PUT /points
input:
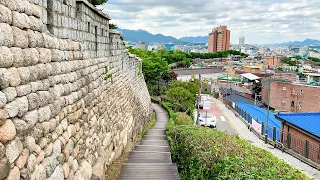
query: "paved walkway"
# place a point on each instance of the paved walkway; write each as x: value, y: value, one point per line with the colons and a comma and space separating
x: 252, y: 138
x: 152, y: 158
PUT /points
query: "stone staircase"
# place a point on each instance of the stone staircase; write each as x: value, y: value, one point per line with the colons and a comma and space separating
x: 152, y: 158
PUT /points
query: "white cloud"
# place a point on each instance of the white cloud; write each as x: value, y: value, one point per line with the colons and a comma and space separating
x: 261, y: 21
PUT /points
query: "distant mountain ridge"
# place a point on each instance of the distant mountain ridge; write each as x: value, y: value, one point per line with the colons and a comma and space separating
x: 306, y: 42
x: 145, y: 36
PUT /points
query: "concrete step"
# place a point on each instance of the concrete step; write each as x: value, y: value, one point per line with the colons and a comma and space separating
x: 156, y: 132
x: 149, y: 171
x: 149, y: 148
x: 151, y: 137
x: 155, y: 142
x: 149, y: 157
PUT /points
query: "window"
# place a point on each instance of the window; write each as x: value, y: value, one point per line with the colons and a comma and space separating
x: 284, y: 88
x: 301, y: 92
x: 64, y: 1
x: 96, y: 37
x: 300, y: 105
x: 102, y: 31
x: 89, y: 27
x: 292, y: 103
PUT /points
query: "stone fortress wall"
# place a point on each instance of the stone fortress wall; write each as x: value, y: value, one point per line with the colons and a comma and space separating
x: 71, y: 97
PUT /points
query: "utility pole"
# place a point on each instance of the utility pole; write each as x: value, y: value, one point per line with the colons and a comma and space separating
x: 255, y: 99
x: 198, y: 99
x: 267, y: 120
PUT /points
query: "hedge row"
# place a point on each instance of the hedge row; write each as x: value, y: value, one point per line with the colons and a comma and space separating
x: 168, y: 107
x: 203, y: 153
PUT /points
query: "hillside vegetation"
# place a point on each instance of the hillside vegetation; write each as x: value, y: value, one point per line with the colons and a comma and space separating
x: 203, y: 153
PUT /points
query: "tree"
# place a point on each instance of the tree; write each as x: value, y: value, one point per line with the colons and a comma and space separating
x: 97, y: 2
x: 113, y: 26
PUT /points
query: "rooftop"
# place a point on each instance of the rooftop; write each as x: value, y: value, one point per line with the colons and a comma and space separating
x: 309, y: 122
x: 250, y: 76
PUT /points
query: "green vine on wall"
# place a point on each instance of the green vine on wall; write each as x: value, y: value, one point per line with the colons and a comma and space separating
x: 107, y: 76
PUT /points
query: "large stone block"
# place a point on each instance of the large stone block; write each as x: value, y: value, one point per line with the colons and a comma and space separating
x: 6, y: 57
x: 6, y: 38
x: 5, y: 15
x: 57, y: 174
x: 4, y: 168
x: 17, y: 57
x: 48, y: 41
x: 13, y: 149
x: 31, y: 118
x: 34, y: 101
x: 50, y: 163
x: 22, y: 159
x: 39, y: 173
x: 3, y: 99
x: 36, y: 24
x: 24, y: 74
x: 44, y: 55
x: 36, y: 10
x: 5, y: 77
x: 31, y: 56
x: 20, y: 37
x: 15, y: 77
x: 7, y: 131
x: 22, y: 105
x: 11, y: 109
x: 23, y: 90
x: 10, y: 93
x: 35, y: 39
x: 44, y: 114
x: 20, y: 125
x: 21, y: 21
x: 14, y: 174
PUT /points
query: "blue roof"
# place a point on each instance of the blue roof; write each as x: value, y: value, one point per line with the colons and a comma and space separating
x: 309, y: 122
x: 260, y: 114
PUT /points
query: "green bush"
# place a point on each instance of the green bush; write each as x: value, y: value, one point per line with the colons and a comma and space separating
x: 168, y: 107
x: 203, y: 153
x: 183, y: 119
x: 155, y: 100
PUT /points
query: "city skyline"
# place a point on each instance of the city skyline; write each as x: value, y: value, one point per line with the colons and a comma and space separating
x: 261, y: 22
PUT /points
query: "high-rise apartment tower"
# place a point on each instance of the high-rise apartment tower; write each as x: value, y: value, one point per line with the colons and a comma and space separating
x: 219, y: 39
x: 242, y: 40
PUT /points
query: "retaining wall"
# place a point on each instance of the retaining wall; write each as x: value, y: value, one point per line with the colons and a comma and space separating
x: 71, y: 97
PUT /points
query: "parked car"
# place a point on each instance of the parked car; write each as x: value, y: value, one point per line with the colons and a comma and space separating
x: 207, y: 120
x: 203, y: 97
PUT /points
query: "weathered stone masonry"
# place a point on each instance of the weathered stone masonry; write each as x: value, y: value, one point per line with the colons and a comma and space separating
x: 71, y: 96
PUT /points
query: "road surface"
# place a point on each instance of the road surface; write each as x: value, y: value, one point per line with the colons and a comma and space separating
x: 223, y: 123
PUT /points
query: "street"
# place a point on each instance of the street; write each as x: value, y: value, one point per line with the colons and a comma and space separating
x: 222, y: 122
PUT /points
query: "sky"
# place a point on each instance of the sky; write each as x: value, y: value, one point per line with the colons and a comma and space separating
x: 260, y: 21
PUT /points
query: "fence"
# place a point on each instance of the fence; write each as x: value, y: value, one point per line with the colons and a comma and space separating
x: 282, y: 139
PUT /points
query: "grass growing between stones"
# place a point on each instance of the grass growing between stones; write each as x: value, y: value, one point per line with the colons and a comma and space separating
x: 114, y: 170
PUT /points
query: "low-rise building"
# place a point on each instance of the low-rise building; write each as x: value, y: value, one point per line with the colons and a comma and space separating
x: 272, y: 60
x: 301, y: 133
x: 293, y: 97
x: 252, y: 69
